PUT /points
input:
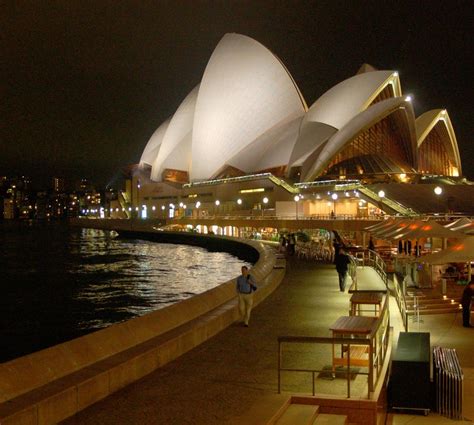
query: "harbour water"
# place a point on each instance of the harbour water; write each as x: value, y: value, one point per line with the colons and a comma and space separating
x: 58, y: 282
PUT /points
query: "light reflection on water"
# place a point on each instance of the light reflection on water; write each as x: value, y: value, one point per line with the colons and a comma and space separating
x: 141, y: 271
x: 59, y: 283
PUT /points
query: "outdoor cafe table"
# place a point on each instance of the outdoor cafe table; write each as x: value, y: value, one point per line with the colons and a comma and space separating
x: 357, y: 326
x: 366, y: 298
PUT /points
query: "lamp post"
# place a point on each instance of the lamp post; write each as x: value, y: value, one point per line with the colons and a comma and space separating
x: 138, y: 194
x: 438, y: 191
x: 198, y: 204
x: 265, y: 202
x: 334, y: 198
x: 217, y: 206
x: 163, y: 208
x: 296, y: 199
x: 381, y: 194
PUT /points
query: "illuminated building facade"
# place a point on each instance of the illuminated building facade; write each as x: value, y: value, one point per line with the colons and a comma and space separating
x: 247, y: 117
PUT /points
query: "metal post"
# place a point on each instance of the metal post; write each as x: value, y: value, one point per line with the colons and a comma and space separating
x: 279, y: 366
x: 349, y: 370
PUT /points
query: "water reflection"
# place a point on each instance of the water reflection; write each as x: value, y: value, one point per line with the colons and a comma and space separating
x: 59, y: 283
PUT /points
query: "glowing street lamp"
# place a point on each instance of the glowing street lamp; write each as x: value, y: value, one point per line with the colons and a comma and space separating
x: 265, y: 202
x: 198, y: 204
x: 381, y: 194
x: 438, y: 191
x: 334, y: 198
x: 239, y: 201
x: 217, y: 206
x: 296, y: 199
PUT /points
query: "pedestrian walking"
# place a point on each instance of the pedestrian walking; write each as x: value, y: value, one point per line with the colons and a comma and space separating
x: 371, y: 244
x: 342, y: 265
x: 291, y: 244
x: 245, y: 288
x: 466, y: 300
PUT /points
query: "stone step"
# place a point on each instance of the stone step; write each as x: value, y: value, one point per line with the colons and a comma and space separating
x: 440, y: 310
x: 436, y: 304
x: 329, y: 419
x: 299, y: 414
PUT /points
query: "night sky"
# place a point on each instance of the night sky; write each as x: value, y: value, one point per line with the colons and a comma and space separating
x: 85, y: 83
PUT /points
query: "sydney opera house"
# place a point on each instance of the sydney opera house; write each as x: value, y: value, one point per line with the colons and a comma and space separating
x: 246, y: 138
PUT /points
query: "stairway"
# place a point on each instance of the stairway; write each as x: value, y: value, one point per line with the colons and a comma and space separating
x: 305, y: 414
x: 432, y: 302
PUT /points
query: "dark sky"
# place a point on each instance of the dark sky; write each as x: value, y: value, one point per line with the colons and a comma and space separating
x: 85, y: 83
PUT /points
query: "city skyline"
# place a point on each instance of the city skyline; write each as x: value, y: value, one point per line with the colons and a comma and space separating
x: 85, y: 89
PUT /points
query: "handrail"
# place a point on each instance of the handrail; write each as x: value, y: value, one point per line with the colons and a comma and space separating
x: 374, y: 260
x: 378, y: 264
x: 327, y: 217
x: 401, y: 301
x: 377, y: 342
x: 353, y: 271
x: 320, y: 340
x: 392, y: 204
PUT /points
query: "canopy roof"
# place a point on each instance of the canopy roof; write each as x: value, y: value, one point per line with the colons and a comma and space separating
x: 459, y: 253
x: 423, y: 229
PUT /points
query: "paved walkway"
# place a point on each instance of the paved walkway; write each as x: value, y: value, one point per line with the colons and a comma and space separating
x: 220, y: 380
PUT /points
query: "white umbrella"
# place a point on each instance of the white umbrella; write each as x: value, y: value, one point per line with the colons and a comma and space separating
x: 379, y: 225
x: 458, y: 223
x: 462, y: 252
x: 426, y: 229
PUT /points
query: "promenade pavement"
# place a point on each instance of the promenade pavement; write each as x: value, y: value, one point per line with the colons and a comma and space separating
x: 226, y: 377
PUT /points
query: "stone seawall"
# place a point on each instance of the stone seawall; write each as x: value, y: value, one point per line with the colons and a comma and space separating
x: 53, y: 384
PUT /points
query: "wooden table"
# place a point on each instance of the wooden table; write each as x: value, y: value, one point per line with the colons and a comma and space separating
x: 360, y: 326
x: 366, y: 298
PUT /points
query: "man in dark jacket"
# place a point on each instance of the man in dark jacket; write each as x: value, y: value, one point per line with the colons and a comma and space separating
x: 466, y: 304
x: 342, y: 264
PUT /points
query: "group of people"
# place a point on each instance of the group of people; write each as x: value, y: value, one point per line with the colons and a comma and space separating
x: 288, y: 243
x: 405, y: 247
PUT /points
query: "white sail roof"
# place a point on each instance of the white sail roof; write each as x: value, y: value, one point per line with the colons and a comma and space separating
x: 179, y: 127
x: 245, y: 91
x: 153, y: 146
x: 345, y: 100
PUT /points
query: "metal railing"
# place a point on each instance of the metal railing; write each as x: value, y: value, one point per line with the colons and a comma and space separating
x: 259, y: 216
x: 448, y: 380
x: 377, y: 343
x: 401, y: 301
x: 393, y: 205
x: 372, y: 259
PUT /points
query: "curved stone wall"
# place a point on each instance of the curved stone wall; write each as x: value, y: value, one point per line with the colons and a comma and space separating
x: 54, y: 383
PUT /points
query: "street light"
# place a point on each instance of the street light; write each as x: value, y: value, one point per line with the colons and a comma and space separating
x: 138, y: 193
x: 438, y: 191
x: 381, y: 194
x: 239, y: 201
x: 265, y: 202
x: 217, y: 206
x: 296, y: 199
x: 334, y: 198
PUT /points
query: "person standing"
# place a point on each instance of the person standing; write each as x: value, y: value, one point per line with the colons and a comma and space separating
x: 245, y: 288
x: 466, y: 300
x: 291, y: 244
x: 342, y: 264
x: 371, y: 244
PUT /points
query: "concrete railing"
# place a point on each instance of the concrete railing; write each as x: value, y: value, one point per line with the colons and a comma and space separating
x: 52, y: 384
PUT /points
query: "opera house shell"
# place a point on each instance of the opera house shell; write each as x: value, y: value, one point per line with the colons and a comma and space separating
x: 247, y: 116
